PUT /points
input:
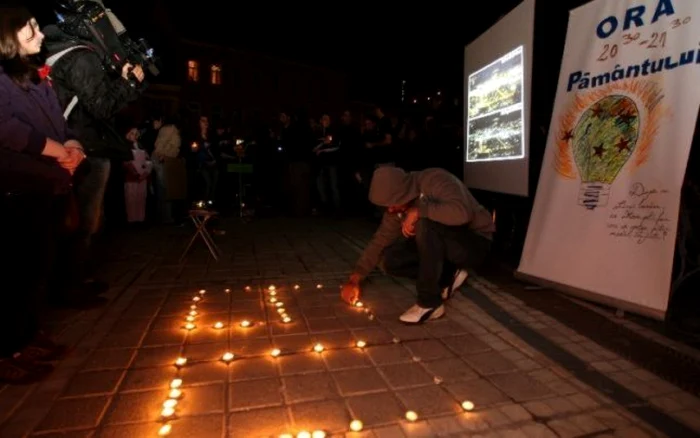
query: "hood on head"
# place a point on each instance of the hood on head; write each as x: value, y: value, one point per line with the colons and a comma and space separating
x: 392, y: 186
x: 55, y: 40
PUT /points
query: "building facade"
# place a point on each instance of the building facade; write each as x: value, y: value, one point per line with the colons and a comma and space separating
x: 236, y: 86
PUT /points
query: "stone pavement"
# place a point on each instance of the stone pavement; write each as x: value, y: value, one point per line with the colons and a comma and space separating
x: 523, y: 372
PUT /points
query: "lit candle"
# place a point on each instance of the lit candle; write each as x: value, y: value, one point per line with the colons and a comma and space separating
x: 275, y: 352
x: 190, y: 318
x: 286, y: 435
x: 273, y: 293
x: 219, y: 325
x: 356, y: 425
x: 411, y: 416
x: 190, y: 326
x: 286, y: 319
x: 180, y: 361
x: 296, y: 287
x: 281, y: 310
x: 247, y: 288
x: 176, y: 383
x: 174, y: 393
x: 227, y: 357
x: 202, y: 291
x: 193, y: 313
x: 467, y: 405
x: 273, y: 300
x: 170, y: 403
x: 227, y: 290
x: 271, y: 287
x: 279, y: 304
x: 318, y: 434
x: 193, y: 307
x: 359, y: 304
x: 196, y: 299
x: 303, y: 434
x: 284, y: 315
x: 361, y: 344
x: 318, y: 348
x: 319, y: 286
x: 167, y: 412
x: 165, y: 430
x: 245, y: 323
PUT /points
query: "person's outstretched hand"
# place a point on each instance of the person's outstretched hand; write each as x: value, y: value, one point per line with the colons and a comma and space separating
x: 350, y: 292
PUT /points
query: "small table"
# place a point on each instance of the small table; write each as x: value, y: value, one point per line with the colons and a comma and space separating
x: 200, y: 217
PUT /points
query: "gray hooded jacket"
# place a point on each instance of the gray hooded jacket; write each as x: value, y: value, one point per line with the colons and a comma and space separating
x: 439, y: 196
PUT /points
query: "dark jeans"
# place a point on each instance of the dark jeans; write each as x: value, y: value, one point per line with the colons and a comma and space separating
x: 327, y: 183
x: 299, y: 180
x: 76, y: 259
x: 26, y: 238
x: 433, y: 256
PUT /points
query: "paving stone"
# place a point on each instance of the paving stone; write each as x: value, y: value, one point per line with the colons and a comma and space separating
x: 255, y: 394
x: 147, y: 378
x: 445, y: 426
x: 202, y: 400
x: 565, y: 428
x: 94, y: 383
x: 450, y: 370
x: 406, y: 375
x: 309, y: 387
x: 343, y: 359
x: 479, y: 391
x: 386, y: 432
x: 429, y: 400
x: 389, y: 354
x: 328, y: 415
x: 131, y: 430
x: 515, y: 388
x: 301, y: 363
x: 254, y: 368
x: 520, y: 387
x: 490, y: 363
x: 428, y: 349
x: 515, y: 413
x: 376, y: 409
x: 74, y: 413
x: 537, y: 431
x: 358, y: 381
x: 135, y: 407
x: 419, y: 429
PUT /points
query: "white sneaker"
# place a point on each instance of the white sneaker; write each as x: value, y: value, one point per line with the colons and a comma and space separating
x: 419, y: 315
x: 460, y: 277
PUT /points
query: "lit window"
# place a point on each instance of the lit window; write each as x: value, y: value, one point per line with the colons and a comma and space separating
x: 193, y: 71
x: 216, y: 74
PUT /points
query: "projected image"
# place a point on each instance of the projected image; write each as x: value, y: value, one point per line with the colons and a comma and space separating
x: 495, y: 110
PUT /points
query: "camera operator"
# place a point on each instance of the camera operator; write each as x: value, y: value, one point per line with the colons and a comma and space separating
x: 91, y: 96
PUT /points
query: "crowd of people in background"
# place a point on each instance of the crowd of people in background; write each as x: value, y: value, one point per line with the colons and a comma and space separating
x: 292, y: 164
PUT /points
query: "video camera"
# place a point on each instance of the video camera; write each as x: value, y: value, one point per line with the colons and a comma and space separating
x: 89, y: 19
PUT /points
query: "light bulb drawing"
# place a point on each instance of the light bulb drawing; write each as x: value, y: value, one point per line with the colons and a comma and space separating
x: 602, y: 142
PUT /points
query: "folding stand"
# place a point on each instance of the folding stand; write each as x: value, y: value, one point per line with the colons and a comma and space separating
x: 200, y: 217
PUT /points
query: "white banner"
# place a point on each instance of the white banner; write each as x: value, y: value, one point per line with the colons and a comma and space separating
x: 605, y: 215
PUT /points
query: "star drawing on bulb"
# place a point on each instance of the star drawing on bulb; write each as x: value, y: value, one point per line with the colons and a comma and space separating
x: 599, y: 150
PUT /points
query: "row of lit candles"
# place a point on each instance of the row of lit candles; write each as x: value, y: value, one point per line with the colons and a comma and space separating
x: 279, y: 305
x: 175, y: 392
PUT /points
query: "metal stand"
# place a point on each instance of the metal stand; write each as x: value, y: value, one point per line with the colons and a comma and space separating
x: 200, y: 219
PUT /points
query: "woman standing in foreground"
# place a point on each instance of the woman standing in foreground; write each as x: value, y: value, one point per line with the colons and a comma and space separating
x: 37, y: 157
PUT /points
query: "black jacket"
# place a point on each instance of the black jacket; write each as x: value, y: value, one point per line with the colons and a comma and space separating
x: 101, y: 95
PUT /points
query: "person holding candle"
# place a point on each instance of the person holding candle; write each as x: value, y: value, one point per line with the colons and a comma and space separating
x: 433, y: 230
x: 38, y: 155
